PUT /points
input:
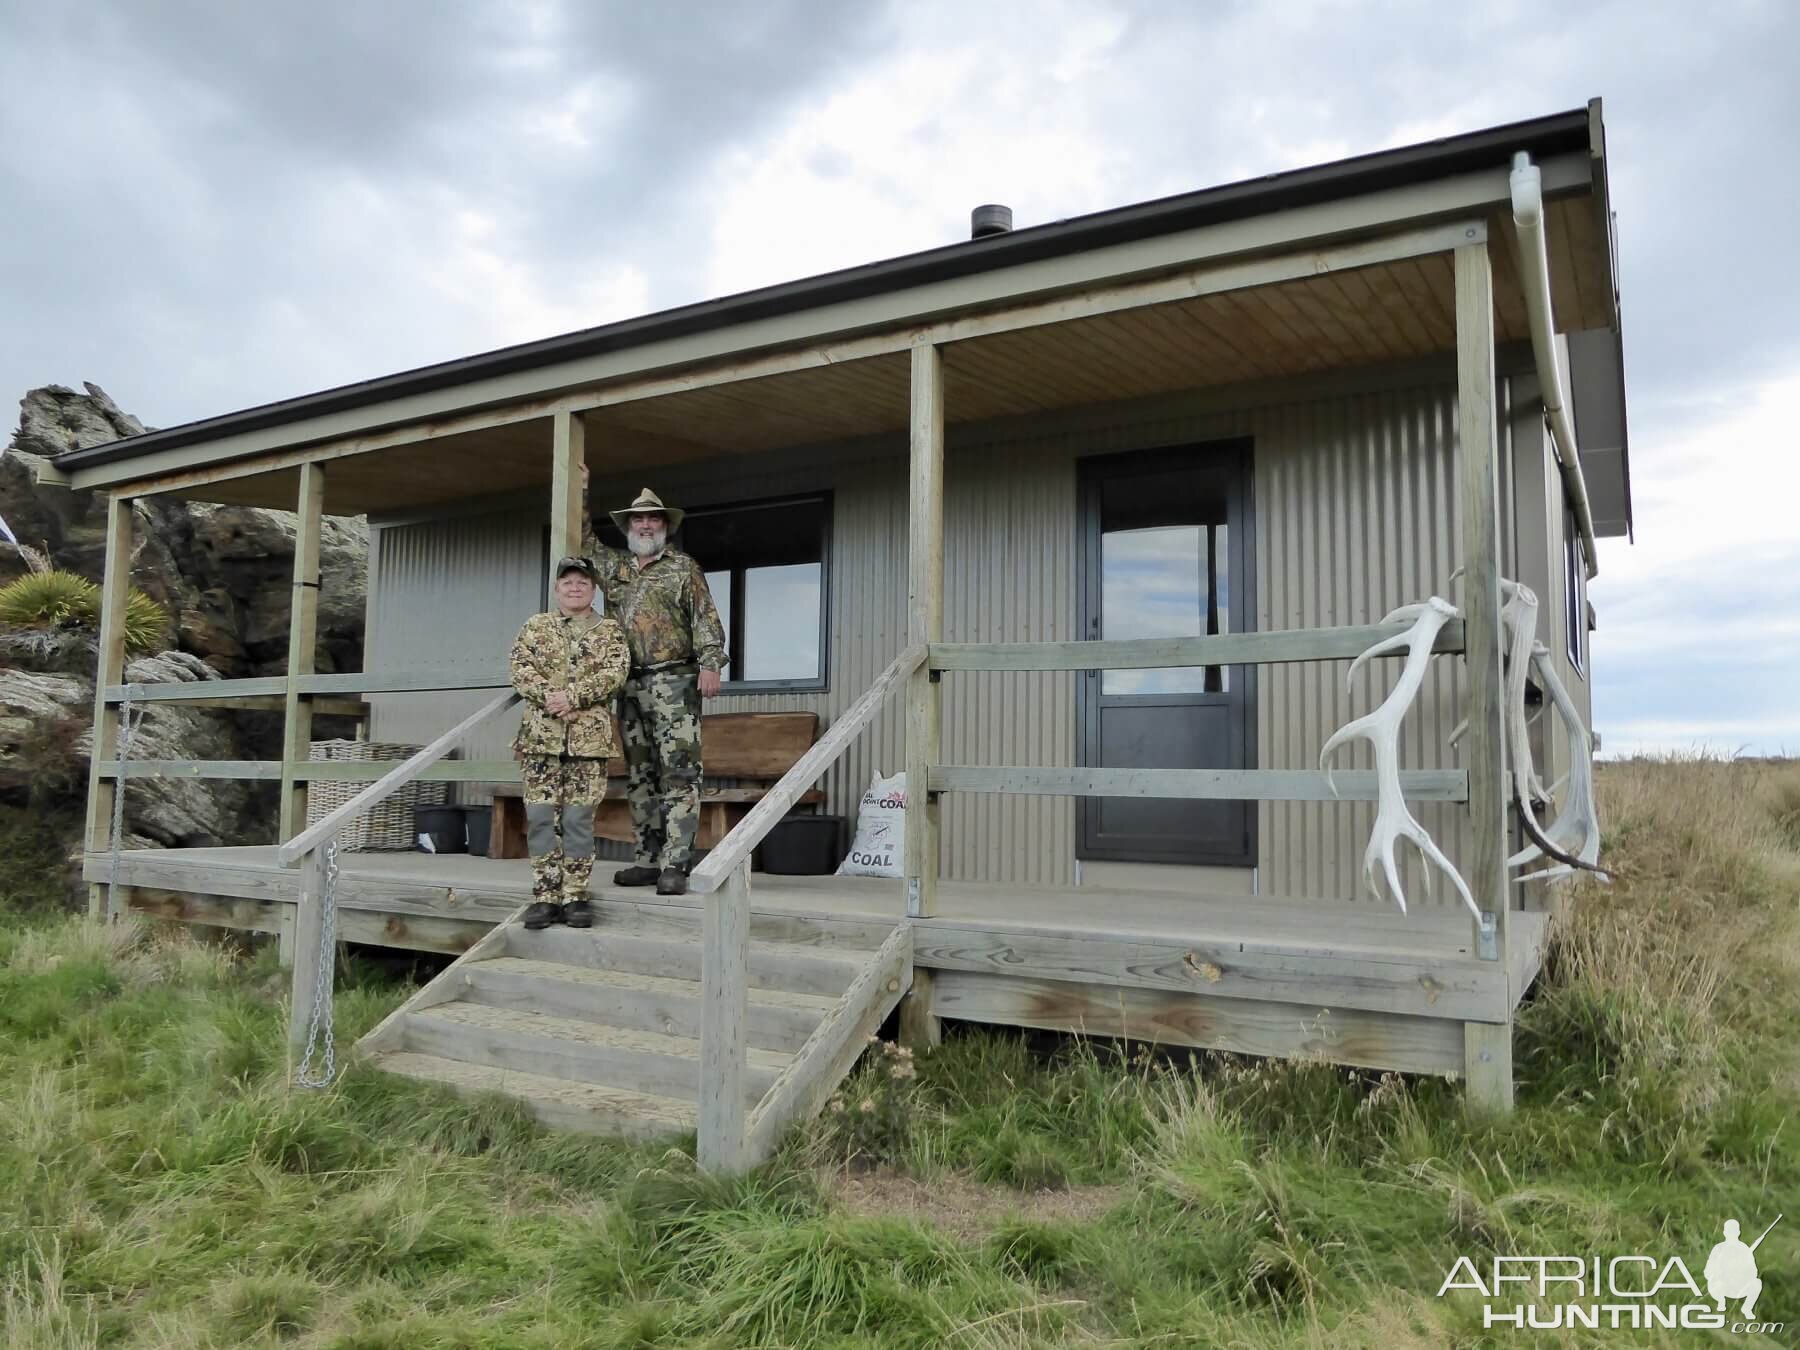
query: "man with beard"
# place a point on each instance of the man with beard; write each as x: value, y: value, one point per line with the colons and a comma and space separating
x: 659, y: 596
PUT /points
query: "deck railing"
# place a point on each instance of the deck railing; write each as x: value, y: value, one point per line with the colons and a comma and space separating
x: 1232, y: 649
x: 313, y: 966
x: 328, y: 695
x: 724, y: 877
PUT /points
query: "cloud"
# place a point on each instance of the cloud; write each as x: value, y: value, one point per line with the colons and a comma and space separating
x: 1699, y: 625
x: 212, y: 205
x: 209, y: 205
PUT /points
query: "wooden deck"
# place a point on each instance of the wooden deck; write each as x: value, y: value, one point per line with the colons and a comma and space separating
x: 1352, y: 983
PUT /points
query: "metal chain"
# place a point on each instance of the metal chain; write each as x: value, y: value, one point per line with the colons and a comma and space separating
x: 129, y: 717
x: 319, y: 1033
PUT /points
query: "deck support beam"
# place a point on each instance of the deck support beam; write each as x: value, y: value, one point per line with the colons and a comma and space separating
x: 568, y: 454
x: 919, y: 1026
x: 312, y: 968
x: 115, y: 587
x: 1488, y: 1047
x: 725, y: 995
x: 303, y: 634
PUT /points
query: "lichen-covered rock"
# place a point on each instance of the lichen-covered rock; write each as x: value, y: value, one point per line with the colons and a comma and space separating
x: 179, y: 812
x: 225, y: 573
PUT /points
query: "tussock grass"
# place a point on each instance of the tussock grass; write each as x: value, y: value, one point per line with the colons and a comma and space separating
x: 160, y: 1185
x: 57, y: 599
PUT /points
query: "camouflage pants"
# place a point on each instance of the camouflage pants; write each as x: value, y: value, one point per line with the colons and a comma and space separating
x: 560, y: 797
x: 659, y: 730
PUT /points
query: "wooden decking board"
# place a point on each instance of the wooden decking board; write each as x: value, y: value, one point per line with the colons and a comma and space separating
x: 454, y: 886
x: 1440, y: 987
x: 557, y: 1047
x: 816, y: 1004
x: 557, y: 1102
x: 772, y: 965
x: 1366, y: 1039
x: 776, y: 1020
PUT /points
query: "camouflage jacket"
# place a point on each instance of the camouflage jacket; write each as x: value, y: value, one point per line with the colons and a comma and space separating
x: 585, y: 655
x: 665, y: 607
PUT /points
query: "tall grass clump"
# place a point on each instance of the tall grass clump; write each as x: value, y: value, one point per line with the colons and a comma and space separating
x: 1664, y: 991
x: 161, y: 1184
x: 59, y: 599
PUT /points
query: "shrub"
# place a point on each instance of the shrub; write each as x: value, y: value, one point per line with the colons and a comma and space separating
x: 870, y: 1119
x: 48, y: 600
x: 56, y: 599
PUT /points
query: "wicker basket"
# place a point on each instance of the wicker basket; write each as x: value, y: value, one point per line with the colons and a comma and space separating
x: 390, y: 824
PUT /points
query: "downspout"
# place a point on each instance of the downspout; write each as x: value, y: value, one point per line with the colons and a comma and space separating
x: 1534, y: 278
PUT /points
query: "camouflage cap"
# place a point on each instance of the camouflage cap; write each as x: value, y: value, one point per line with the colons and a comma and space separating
x: 572, y: 563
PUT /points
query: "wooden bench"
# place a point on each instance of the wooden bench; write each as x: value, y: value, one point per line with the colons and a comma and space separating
x: 747, y: 751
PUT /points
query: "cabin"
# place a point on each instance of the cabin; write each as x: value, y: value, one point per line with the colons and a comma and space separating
x: 1080, y: 525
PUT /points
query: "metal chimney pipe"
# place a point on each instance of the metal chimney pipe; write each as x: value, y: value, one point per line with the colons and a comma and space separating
x: 988, y: 220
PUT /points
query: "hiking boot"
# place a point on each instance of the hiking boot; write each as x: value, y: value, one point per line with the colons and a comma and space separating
x: 543, y: 913
x: 635, y: 876
x: 578, y: 914
x: 673, y: 881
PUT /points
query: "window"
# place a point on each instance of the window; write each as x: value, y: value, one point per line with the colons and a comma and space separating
x: 1574, y: 595
x: 1164, y: 573
x: 765, y: 565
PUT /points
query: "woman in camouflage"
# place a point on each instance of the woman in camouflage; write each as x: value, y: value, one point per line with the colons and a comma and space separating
x: 568, y: 664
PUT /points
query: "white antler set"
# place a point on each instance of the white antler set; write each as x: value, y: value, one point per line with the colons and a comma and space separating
x: 1573, y: 837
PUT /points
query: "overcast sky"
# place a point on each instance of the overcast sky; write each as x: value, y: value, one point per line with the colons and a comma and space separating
x: 211, y: 205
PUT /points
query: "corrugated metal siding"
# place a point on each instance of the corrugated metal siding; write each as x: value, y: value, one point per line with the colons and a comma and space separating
x: 451, y: 594
x: 867, y: 588
x: 1356, y: 508
x: 1358, y: 513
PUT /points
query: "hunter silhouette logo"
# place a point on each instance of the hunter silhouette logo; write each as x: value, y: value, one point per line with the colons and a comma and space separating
x: 1731, y: 1270
x: 1634, y: 1291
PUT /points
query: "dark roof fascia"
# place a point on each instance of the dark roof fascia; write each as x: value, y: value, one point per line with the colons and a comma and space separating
x: 1382, y: 170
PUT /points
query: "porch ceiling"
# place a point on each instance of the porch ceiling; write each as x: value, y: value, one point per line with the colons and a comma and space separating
x: 1390, y: 312
x: 1371, y: 315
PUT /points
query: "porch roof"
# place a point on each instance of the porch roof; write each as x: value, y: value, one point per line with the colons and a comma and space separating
x: 825, y: 359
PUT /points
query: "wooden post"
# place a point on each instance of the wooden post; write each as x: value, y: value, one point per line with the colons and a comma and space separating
x: 310, y: 964
x: 303, y: 635
x: 1487, y: 1047
x: 924, y: 695
x: 724, y: 949
x: 109, y: 669
x: 568, y: 454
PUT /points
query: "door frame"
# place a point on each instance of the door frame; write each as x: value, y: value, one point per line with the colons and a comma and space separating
x: 1237, y: 454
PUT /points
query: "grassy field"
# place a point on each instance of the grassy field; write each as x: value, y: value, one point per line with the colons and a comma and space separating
x: 159, y: 1186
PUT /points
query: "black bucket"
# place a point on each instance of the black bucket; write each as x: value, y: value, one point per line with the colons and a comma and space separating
x: 478, y: 820
x: 445, y: 826
x: 804, y: 846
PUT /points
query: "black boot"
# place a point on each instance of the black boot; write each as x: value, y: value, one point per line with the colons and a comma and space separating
x: 673, y: 881
x: 635, y: 876
x: 578, y: 914
x: 543, y: 913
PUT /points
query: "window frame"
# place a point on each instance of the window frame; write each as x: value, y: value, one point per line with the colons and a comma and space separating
x: 734, y: 636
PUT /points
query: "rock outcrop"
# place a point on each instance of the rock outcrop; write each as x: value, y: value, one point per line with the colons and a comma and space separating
x: 225, y: 573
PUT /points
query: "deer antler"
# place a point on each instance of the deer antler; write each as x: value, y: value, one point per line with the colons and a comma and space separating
x: 1381, y: 728
x: 1574, y: 835
x: 1518, y: 617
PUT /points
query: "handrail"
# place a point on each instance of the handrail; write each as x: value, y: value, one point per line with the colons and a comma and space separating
x: 1221, y: 649
x: 350, y: 682
x: 407, y: 770
x: 311, y: 770
x: 1257, y: 785
x: 735, y: 847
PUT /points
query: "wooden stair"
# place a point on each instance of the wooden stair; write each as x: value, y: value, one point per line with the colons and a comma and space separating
x: 598, y: 1029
